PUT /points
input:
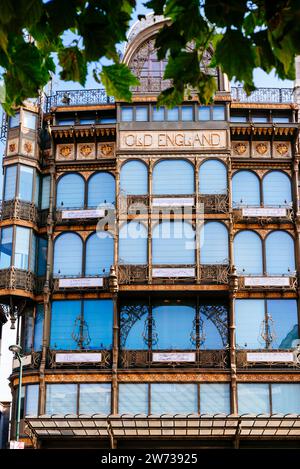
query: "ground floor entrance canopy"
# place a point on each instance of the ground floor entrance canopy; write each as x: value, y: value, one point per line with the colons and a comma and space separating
x: 177, y: 431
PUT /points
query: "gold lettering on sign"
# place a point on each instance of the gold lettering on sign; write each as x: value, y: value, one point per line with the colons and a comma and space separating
x: 190, y: 139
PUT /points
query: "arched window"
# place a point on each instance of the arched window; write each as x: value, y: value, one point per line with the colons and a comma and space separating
x: 280, y: 254
x: 212, y: 177
x: 70, y: 191
x: 277, y: 189
x: 173, y: 243
x: 101, y: 189
x: 248, y: 253
x: 213, y: 243
x: 245, y: 189
x: 68, y: 255
x: 169, y: 335
x: 134, y: 178
x: 173, y: 177
x: 99, y: 253
x: 133, y: 238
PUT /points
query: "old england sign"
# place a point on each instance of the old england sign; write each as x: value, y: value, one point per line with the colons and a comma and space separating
x: 173, y: 140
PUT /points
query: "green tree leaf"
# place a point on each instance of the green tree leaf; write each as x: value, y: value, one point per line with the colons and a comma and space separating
x: 73, y: 63
x: 117, y: 80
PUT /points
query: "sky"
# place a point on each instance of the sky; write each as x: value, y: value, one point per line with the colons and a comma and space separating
x: 261, y: 79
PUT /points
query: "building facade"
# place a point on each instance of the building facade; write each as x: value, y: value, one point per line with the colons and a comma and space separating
x: 149, y: 258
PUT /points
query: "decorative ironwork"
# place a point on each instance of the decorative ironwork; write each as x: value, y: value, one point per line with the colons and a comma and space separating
x: 242, y: 362
x: 135, y: 358
x: 128, y: 274
x: 78, y: 98
x: 80, y: 333
x: 43, y: 217
x: 56, y: 288
x: 214, y: 274
x: 218, y: 315
x: 106, y: 361
x: 19, y: 210
x: 238, y: 216
x: 267, y: 331
x: 136, y: 204
x: 263, y: 95
x: 214, y: 203
x: 129, y: 315
x: 17, y: 279
x: 291, y: 286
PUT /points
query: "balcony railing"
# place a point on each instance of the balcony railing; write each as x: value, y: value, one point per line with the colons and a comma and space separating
x: 263, y: 95
x: 77, y: 98
x: 267, y: 358
x: 79, y: 359
x: 20, y: 210
x: 17, y: 279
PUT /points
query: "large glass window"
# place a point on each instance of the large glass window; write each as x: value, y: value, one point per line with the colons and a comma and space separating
x: 25, y: 183
x: 77, y: 325
x: 173, y: 114
x: 245, y: 189
x: 141, y: 113
x: 133, y: 238
x: 215, y: 398
x: 133, y: 398
x: 134, y: 330
x: 45, y: 192
x: 173, y: 398
x: 10, y: 182
x: 134, y: 178
x: 14, y: 121
x: 248, y: 253
x: 22, y: 247
x: 204, y: 113
x: 269, y: 398
x: 91, y: 398
x: 213, y: 243
x: 173, y: 243
x: 33, y: 321
x: 29, y: 400
x: 42, y: 246
x: 173, y: 177
x: 285, y: 398
x: 99, y: 253
x: 277, y: 189
x: 68, y: 255
x: 70, y: 191
x: 6, y: 247
x: 158, y: 113
x: 101, y: 189
x: 218, y: 113
x: 127, y: 114
x: 168, y: 335
x: 213, y: 177
x: 29, y: 120
x: 280, y: 253
x: 187, y: 113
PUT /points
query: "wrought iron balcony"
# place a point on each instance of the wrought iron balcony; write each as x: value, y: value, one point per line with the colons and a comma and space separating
x: 17, y: 279
x: 267, y: 358
x: 77, y: 98
x: 262, y: 282
x: 19, y: 210
x: 203, y: 359
x: 132, y: 274
x: 263, y: 215
x: 70, y: 283
x: 214, y: 274
x: 214, y: 203
x: 263, y: 95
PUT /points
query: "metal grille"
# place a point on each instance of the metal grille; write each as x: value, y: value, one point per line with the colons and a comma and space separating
x: 78, y: 98
x: 263, y: 95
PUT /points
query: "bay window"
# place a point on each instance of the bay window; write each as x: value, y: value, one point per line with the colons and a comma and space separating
x: 18, y: 248
x: 21, y: 182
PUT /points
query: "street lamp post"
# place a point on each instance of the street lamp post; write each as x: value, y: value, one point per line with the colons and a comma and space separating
x: 17, y: 349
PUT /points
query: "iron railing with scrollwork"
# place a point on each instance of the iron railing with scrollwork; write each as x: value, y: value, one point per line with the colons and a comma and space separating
x: 214, y: 203
x: 17, y: 279
x: 106, y: 359
x: 129, y: 274
x: 263, y: 95
x: 77, y: 98
x: 243, y: 362
x: 203, y: 359
x: 20, y: 210
x: 214, y: 274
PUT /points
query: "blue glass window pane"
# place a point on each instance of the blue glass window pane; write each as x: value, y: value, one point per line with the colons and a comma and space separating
x: 134, y: 337
x: 187, y: 113
x: 65, y: 121
x: 28, y: 331
x: 61, y: 399
x: 158, y: 113
x: 133, y: 238
x: 108, y: 120
x: 134, y: 178
x: 213, y: 178
x: 99, y: 253
x: 173, y: 398
x: 213, y: 327
x: 25, y: 183
x: 281, y: 120
x: 285, y: 398
x: 45, y: 192
x: 68, y: 255
x: 173, y: 243
x: 133, y: 398
x: 98, y: 315
x: 285, y: 322
x: 218, y: 113
x: 277, y: 189
x: 22, y: 247
x: 173, y: 177
x: 213, y: 243
x: 169, y: 335
x: 203, y: 113
x: 6, y: 247
x: 42, y: 256
x: 245, y: 189
x: 250, y: 315
x: 32, y: 399
x: 126, y: 114
x: 101, y: 189
x: 70, y: 192
x: 248, y: 253
x: 215, y: 398
x: 64, y: 324
x: 14, y: 121
x: 141, y: 113
x: 173, y: 114
x: 38, y: 328
x: 10, y: 182
x: 262, y: 119
x: 238, y: 119
x: 253, y: 398
x: 86, y: 121
x: 32, y: 263
x: 280, y: 253
x: 37, y: 189
x: 95, y: 398
x: 29, y: 120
